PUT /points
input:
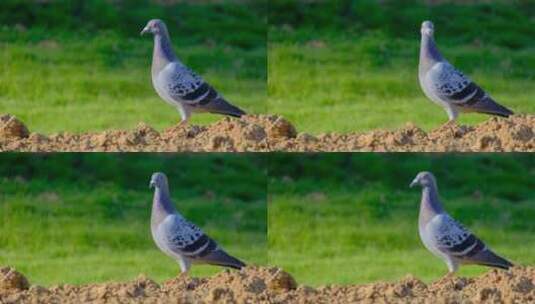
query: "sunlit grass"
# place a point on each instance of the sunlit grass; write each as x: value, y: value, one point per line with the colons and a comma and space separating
x: 359, y: 223
x: 93, y: 225
x: 353, y: 65
x: 58, y: 75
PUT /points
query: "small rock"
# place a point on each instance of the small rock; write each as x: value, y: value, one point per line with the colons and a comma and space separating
x: 281, y: 128
x: 11, y: 127
x: 306, y: 138
x: 219, y: 295
x: 254, y: 133
x: 220, y: 142
x: 10, y: 279
x: 523, y: 133
x: 488, y: 141
x: 38, y: 138
x: 144, y: 130
x: 39, y: 290
x: 281, y: 280
x: 101, y: 140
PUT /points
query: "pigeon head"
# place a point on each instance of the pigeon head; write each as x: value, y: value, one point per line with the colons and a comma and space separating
x: 155, y: 27
x: 427, y: 28
x: 424, y: 179
x: 158, y: 181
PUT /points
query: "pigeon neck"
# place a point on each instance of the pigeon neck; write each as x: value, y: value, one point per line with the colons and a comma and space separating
x: 163, y: 52
x: 161, y: 202
x: 429, y: 50
x: 430, y: 202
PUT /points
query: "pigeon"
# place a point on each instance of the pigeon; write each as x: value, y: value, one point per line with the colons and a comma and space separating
x: 445, y: 237
x: 178, y: 85
x: 447, y: 86
x: 179, y: 238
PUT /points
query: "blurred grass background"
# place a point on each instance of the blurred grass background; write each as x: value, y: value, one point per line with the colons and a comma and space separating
x: 79, y: 218
x: 74, y: 65
x: 348, y: 65
x: 352, y: 218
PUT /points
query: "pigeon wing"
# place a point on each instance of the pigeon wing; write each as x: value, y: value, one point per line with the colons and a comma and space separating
x: 452, y: 86
x: 450, y: 237
x: 183, y: 85
x: 183, y: 237
x: 454, y: 240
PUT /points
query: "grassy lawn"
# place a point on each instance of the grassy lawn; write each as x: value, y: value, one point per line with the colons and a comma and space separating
x: 345, y: 218
x: 79, y: 218
x: 82, y: 66
x: 352, y: 65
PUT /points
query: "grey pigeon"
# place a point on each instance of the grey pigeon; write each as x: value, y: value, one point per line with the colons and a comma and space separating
x: 179, y: 238
x: 447, y: 86
x: 178, y: 85
x: 445, y: 237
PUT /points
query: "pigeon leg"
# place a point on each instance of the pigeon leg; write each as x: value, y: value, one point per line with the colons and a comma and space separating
x: 452, y: 266
x: 184, y: 265
x: 185, y: 114
x: 452, y: 113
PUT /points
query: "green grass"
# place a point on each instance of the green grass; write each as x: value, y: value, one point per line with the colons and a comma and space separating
x: 78, y: 67
x: 352, y: 65
x: 79, y: 218
x: 346, y: 219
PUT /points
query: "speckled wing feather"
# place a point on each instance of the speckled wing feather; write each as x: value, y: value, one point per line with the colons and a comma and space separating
x: 183, y: 237
x: 186, y: 239
x: 450, y: 236
x: 182, y: 84
x: 454, y: 240
x: 450, y: 84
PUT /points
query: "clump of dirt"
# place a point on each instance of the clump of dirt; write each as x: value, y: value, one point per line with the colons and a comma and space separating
x: 273, y: 285
x: 12, y: 281
x: 273, y: 133
x: 12, y: 128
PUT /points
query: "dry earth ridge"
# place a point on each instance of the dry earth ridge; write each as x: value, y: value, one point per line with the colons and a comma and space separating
x: 264, y: 133
x: 273, y: 285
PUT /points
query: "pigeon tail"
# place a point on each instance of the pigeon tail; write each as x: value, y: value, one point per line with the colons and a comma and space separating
x: 220, y: 106
x: 489, y: 106
x: 221, y: 258
x: 489, y: 258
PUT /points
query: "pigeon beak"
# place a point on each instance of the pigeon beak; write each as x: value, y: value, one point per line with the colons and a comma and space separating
x: 152, y: 184
x: 144, y: 31
x: 413, y: 183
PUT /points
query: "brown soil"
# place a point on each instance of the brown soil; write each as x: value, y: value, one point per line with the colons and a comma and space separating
x: 273, y: 285
x: 274, y: 133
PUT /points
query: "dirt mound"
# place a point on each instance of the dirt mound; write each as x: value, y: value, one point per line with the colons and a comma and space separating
x: 514, y: 286
x: 273, y: 133
x: 250, y: 133
x: 516, y: 133
x: 273, y: 285
x: 250, y: 285
x: 11, y: 280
